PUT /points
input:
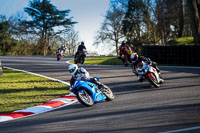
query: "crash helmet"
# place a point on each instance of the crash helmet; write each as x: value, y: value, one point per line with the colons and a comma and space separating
x: 123, y: 43
x: 134, y: 56
x: 82, y: 43
x: 72, y: 69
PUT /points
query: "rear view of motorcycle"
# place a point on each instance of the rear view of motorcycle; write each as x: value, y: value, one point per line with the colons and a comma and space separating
x: 80, y: 57
x: 147, y: 72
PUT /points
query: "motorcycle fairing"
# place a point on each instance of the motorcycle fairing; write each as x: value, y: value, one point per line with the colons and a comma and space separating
x: 148, y: 69
x: 89, y: 87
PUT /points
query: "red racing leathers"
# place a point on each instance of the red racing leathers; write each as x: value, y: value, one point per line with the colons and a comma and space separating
x: 125, y: 50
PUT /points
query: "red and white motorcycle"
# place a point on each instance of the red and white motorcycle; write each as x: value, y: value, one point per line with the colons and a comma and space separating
x: 149, y: 73
x: 60, y: 54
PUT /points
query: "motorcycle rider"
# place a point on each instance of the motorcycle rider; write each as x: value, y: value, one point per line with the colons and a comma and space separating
x: 80, y: 48
x: 125, y: 50
x: 81, y: 74
x: 137, y: 62
x: 62, y: 48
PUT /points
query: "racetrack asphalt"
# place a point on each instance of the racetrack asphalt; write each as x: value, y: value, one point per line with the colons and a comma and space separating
x: 137, y: 108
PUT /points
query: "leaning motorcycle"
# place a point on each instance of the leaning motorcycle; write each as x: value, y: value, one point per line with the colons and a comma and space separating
x: 149, y: 73
x: 88, y: 93
x: 60, y: 54
x: 80, y: 57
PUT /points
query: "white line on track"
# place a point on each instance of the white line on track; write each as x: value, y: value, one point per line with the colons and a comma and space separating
x: 38, y: 75
x: 181, y: 130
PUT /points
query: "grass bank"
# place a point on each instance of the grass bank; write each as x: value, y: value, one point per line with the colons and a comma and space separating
x: 21, y: 90
x: 110, y: 60
x: 182, y: 41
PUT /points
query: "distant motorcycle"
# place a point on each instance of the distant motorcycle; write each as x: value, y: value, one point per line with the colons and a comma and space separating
x: 88, y: 93
x: 149, y: 73
x: 60, y: 54
x: 80, y: 57
x: 126, y: 57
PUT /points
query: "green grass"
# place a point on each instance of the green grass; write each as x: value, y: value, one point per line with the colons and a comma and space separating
x: 21, y: 90
x: 107, y: 60
x: 182, y: 41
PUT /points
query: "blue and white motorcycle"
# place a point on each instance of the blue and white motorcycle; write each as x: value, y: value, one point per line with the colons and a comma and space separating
x: 88, y: 93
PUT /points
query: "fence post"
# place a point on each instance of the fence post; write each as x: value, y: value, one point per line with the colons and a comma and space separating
x: 1, y: 71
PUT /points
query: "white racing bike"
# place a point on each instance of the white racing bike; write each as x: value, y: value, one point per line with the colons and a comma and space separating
x: 147, y: 72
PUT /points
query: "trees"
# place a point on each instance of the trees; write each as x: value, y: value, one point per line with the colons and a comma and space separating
x: 71, y: 41
x: 194, y: 9
x: 4, y: 34
x: 45, y: 17
x: 6, y: 41
x: 111, y: 28
x: 181, y: 17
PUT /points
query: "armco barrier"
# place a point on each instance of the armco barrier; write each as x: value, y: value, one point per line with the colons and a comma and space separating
x: 173, y: 55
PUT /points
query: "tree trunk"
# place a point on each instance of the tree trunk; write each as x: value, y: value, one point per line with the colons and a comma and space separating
x: 116, y: 44
x: 194, y: 19
x: 181, y: 18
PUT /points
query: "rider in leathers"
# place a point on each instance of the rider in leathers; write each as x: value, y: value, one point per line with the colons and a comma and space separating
x: 80, y: 48
x: 125, y: 50
x: 82, y: 74
x: 138, y: 59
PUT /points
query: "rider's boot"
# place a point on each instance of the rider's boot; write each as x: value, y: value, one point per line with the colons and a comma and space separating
x: 140, y: 78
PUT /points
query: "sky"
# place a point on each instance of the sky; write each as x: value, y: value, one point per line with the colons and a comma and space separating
x: 88, y: 13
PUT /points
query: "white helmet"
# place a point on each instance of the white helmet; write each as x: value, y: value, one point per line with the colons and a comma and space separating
x: 134, y: 56
x: 72, y: 69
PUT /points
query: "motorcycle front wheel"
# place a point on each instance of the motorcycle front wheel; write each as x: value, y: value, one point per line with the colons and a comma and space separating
x: 84, y: 98
x: 108, y: 92
x: 75, y: 62
x: 153, y: 80
x: 82, y: 59
x: 58, y: 57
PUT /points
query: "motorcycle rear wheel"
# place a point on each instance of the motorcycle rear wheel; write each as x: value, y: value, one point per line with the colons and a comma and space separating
x: 84, y: 97
x: 153, y: 81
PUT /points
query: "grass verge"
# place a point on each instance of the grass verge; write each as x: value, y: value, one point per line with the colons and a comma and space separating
x: 182, y: 41
x: 107, y: 60
x: 21, y: 90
